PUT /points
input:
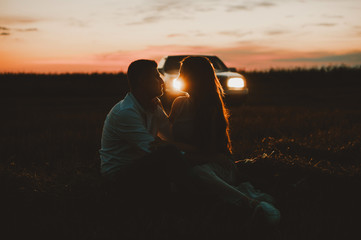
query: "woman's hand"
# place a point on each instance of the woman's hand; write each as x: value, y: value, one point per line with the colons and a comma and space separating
x: 155, y: 103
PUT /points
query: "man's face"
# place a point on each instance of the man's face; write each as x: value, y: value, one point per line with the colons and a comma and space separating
x: 154, y: 84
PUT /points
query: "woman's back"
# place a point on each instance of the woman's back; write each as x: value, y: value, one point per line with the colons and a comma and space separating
x: 182, y: 119
x: 183, y: 129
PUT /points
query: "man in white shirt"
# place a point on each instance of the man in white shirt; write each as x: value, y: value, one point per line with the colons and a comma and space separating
x: 131, y: 127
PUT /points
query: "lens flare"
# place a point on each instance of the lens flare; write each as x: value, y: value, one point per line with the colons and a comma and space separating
x: 177, y: 84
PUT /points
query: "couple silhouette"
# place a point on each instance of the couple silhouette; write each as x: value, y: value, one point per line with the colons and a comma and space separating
x: 146, y: 153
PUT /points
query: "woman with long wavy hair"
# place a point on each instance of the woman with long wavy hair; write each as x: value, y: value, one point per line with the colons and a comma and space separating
x: 200, y: 123
x: 201, y: 118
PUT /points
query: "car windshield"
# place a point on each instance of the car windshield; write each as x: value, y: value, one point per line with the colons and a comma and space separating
x: 172, y: 64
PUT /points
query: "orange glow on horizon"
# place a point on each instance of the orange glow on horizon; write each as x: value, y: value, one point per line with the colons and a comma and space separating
x: 248, y: 63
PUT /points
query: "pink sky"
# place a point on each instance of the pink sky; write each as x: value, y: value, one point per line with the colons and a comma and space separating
x: 105, y: 36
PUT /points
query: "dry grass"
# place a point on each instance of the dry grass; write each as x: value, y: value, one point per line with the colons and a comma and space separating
x: 49, y: 170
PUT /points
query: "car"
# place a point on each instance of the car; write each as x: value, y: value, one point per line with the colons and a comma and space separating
x: 233, y: 83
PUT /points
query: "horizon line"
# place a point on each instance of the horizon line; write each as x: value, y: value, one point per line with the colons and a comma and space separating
x: 291, y: 68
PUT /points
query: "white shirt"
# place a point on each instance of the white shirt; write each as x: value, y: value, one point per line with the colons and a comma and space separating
x: 127, y: 133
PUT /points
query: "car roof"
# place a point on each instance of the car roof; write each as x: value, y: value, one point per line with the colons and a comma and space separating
x: 192, y: 55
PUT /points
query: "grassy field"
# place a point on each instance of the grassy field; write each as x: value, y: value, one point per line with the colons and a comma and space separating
x: 299, y: 124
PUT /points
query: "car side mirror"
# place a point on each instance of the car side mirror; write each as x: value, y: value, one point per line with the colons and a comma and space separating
x: 161, y: 70
x: 232, y: 69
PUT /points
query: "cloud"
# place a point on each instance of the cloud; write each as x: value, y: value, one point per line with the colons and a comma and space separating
x: 238, y: 8
x: 163, y: 10
x: 204, y: 9
x: 26, y: 29
x: 11, y: 20
x: 176, y: 6
x: 174, y: 35
x: 159, y: 10
x: 333, y: 16
x: 249, y: 6
x: 324, y: 24
x: 161, y: 6
x: 234, y: 33
x: 189, y: 34
x: 276, y: 32
x: 348, y: 58
x: 6, y: 30
x: 265, y: 4
x: 151, y: 19
x: 145, y: 20
x: 15, y: 20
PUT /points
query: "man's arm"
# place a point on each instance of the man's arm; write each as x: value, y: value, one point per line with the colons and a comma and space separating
x: 130, y: 126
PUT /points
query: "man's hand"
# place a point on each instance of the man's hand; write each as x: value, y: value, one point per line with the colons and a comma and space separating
x: 158, y: 142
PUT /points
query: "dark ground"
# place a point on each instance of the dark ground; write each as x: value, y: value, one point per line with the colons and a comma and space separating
x: 296, y: 125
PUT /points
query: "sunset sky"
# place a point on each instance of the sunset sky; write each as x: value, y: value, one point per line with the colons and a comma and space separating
x: 106, y: 35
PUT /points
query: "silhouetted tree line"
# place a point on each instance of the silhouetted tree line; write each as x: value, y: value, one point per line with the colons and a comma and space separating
x: 303, y: 78
x: 297, y: 80
x: 328, y: 86
x: 52, y: 85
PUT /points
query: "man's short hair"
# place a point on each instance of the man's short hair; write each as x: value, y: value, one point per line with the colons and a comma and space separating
x: 138, y: 70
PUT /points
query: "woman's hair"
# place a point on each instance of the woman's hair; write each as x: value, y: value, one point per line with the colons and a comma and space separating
x: 211, y: 129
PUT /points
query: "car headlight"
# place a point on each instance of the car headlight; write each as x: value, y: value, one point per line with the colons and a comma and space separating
x: 177, y: 84
x: 235, y: 83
